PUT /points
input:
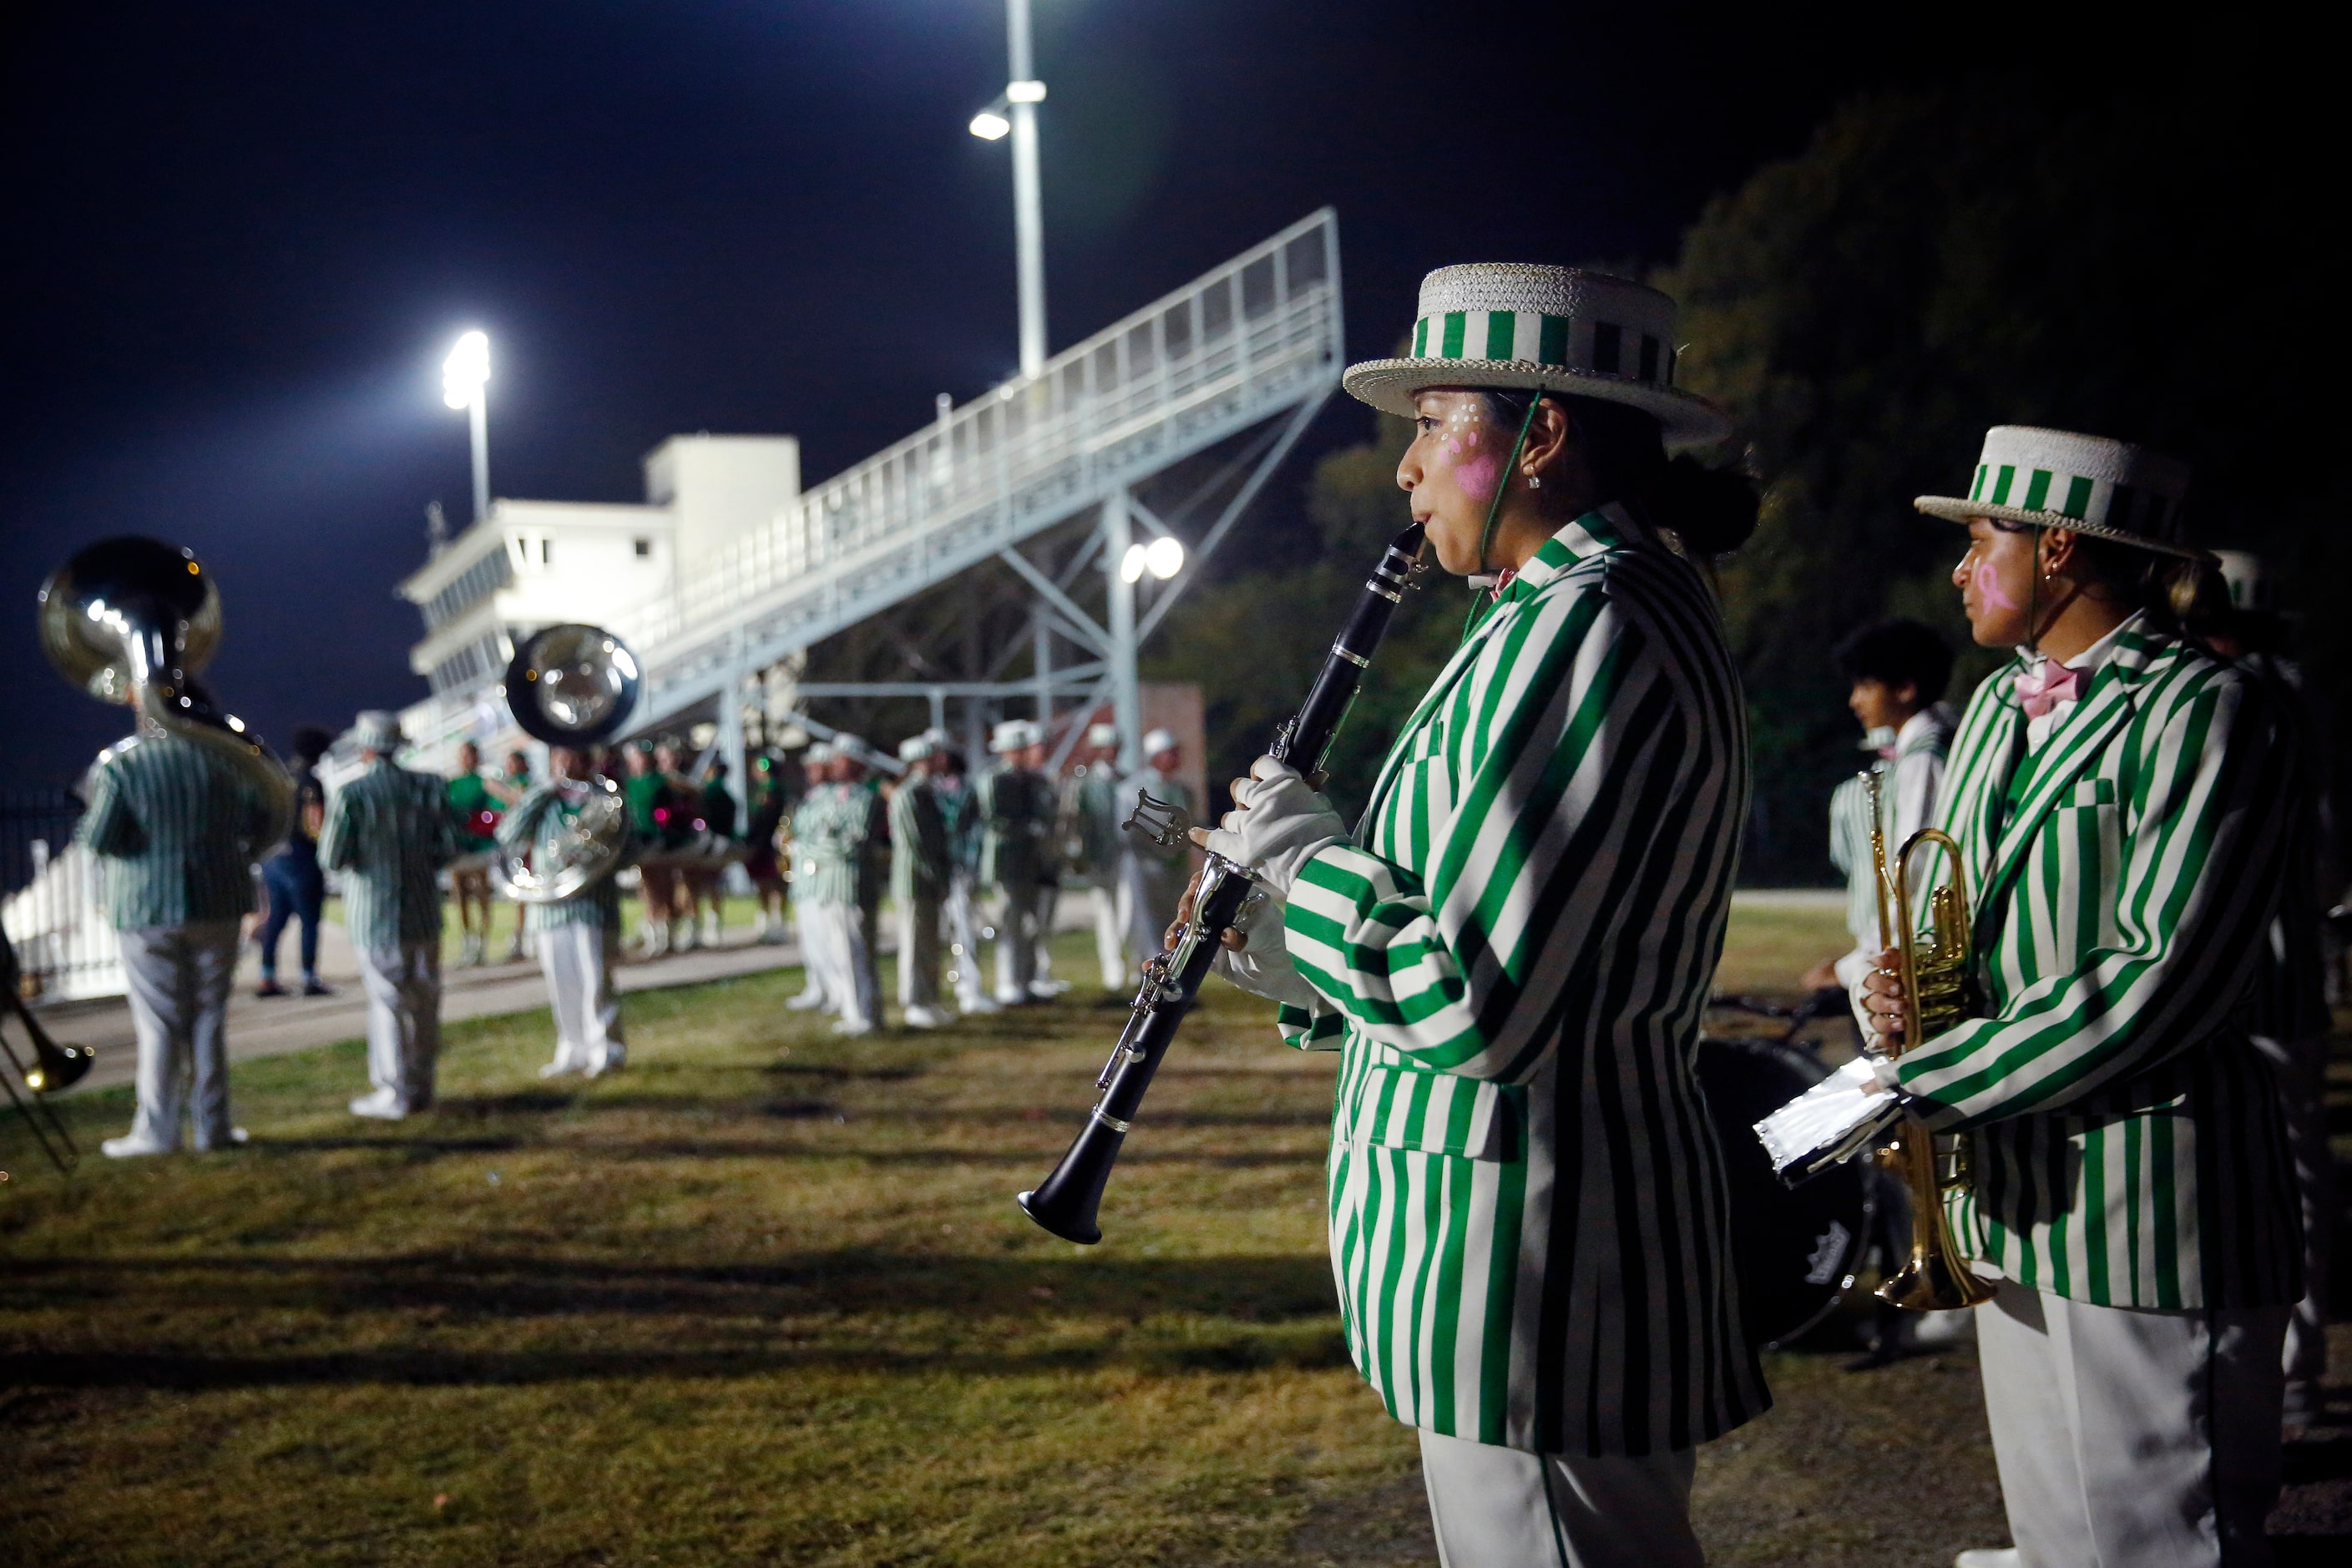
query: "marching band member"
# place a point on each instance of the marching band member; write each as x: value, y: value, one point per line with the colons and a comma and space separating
x: 474, y: 804
x: 1528, y: 1215
x: 578, y: 938
x: 959, y: 804
x: 1016, y: 805
x: 830, y: 837
x: 869, y: 815
x: 821, y: 991
x: 2291, y: 1024
x: 1091, y: 848
x: 176, y: 826
x: 675, y: 811
x: 1151, y: 879
x: 2122, y: 801
x: 919, y: 879
x: 1896, y: 672
x: 390, y: 833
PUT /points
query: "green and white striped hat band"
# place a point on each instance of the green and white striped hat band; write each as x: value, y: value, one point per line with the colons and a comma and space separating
x: 2056, y: 478
x: 1517, y: 326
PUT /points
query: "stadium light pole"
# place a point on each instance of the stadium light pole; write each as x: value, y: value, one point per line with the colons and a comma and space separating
x: 1015, y: 114
x: 465, y: 376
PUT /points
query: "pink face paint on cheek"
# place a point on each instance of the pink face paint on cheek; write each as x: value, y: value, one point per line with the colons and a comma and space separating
x: 1988, y: 586
x: 1477, y: 477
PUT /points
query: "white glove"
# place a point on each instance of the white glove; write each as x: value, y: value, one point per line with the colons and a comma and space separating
x: 1278, y: 827
x: 1263, y: 966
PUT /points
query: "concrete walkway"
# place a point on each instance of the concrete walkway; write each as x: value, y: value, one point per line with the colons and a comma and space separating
x: 259, y: 1028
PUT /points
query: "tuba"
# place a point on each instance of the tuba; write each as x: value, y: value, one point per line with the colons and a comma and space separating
x: 132, y: 620
x: 1934, y: 977
x: 570, y: 685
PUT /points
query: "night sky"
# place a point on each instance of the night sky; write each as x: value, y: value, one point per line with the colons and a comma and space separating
x: 242, y: 238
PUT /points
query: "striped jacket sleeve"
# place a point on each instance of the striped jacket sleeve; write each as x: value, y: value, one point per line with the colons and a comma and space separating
x: 335, y: 835
x: 2201, y: 860
x: 1461, y: 971
x: 109, y: 827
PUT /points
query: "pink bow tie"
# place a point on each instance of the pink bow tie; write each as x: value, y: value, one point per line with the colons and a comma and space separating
x: 2043, y: 689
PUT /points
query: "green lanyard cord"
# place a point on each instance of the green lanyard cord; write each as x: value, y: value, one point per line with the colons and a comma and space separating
x: 1495, y: 510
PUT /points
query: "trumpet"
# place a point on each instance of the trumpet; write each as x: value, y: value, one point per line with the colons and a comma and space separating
x: 571, y: 685
x: 1934, y: 974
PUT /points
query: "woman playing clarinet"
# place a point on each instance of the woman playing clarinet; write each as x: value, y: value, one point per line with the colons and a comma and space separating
x: 1512, y: 950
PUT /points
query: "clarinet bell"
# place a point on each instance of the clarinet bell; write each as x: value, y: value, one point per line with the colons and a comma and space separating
x: 1066, y: 1203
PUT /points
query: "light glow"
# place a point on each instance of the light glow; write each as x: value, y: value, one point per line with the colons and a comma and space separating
x: 990, y: 126
x: 1025, y: 92
x: 1164, y: 556
x: 466, y: 370
x: 1131, y: 565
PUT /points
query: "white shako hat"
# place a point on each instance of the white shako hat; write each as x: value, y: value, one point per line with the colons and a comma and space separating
x: 2090, y: 484
x: 819, y: 751
x: 378, y: 730
x: 1102, y: 734
x: 1157, y: 741
x: 914, y: 748
x: 850, y: 748
x: 1011, y: 734
x: 1516, y: 326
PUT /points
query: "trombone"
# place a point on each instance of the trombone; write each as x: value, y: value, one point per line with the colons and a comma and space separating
x: 53, y: 1068
x: 1934, y: 974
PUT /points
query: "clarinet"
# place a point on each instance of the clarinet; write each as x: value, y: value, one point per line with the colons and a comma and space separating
x: 1066, y: 1203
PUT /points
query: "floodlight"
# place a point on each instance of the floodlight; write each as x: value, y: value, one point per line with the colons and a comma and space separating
x: 991, y: 126
x: 466, y: 370
x: 1025, y: 92
x: 1131, y: 565
x: 1164, y: 556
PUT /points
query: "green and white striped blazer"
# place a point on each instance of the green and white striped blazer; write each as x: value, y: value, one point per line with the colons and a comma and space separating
x: 2124, y: 1136
x: 1528, y: 1209
x: 390, y: 832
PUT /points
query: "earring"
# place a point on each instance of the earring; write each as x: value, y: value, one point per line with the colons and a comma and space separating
x: 1535, y: 482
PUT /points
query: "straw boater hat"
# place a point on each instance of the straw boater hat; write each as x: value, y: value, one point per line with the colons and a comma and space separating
x: 2056, y: 478
x: 1514, y: 325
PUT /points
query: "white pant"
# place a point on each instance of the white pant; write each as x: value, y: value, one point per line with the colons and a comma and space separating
x: 919, y: 953
x: 1110, y: 934
x: 1018, y: 938
x: 832, y: 943
x: 2302, y: 1069
x: 403, y: 1032
x: 2138, y: 1439
x: 1153, y: 888
x: 964, y: 931
x: 1502, y: 1508
x: 180, y: 979
x: 578, y: 962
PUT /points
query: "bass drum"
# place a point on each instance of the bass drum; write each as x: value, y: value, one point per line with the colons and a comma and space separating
x: 1795, y: 1249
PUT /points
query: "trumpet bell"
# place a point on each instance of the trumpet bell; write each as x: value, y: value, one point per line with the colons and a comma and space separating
x: 571, y: 685
x: 119, y: 595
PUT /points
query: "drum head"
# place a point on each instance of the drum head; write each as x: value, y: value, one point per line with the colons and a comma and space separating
x: 1795, y: 1249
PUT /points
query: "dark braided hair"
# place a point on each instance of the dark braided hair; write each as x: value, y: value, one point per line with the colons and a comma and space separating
x: 1712, y: 510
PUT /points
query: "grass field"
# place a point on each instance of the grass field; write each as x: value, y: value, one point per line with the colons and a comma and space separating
x: 764, y: 1297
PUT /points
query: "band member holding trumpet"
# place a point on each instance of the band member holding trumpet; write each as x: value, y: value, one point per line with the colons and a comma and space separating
x: 2123, y: 801
x: 388, y: 831
x: 579, y: 936
x: 1527, y: 1207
